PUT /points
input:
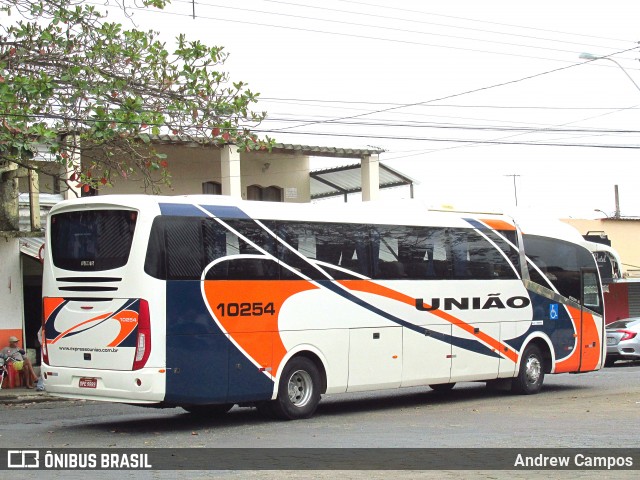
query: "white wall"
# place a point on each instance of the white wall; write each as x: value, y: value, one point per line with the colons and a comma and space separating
x: 289, y: 172
x: 11, y: 308
x: 191, y: 166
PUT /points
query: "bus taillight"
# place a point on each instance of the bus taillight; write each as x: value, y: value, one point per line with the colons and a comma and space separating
x: 143, y: 342
x: 44, y: 349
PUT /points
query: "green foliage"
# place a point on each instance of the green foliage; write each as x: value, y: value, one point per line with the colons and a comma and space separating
x: 69, y: 78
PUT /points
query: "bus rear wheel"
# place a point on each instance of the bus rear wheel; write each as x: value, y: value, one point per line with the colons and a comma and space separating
x: 531, y: 373
x: 298, y: 390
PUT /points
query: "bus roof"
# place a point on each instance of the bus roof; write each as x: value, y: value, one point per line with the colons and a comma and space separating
x: 400, y: 212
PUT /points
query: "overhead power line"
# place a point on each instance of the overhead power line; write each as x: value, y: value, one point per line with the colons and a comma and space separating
x: 430, y: 105
x: 386, y: 18
x: 456, y: 140
x: 353, y: 35
x: 396, y: 8
x: 476, y: 90
x: 453, y: 126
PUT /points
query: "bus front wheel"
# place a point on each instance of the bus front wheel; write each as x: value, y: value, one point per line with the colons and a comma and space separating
x: 298, y: 390
x: 531, y: 373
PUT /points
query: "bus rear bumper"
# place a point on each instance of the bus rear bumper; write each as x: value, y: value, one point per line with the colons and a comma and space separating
x: 144, y: 386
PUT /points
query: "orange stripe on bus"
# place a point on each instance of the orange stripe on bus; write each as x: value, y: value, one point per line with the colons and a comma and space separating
x: 49, y: 304
x: 95, y: 319
x: 256, y: 333
x: 587, y: 352
x: 498, y: 224
x: 572, y: 362
x: 591, y: 355
x: 128, y: 320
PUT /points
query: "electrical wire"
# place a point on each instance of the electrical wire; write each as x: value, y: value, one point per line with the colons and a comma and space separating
x: 386, y: 28
x: 396, y: 8
x: 455, y: 95
x: 350, y: 35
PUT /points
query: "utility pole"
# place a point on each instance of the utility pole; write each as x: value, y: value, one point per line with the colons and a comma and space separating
x: 515, y: 188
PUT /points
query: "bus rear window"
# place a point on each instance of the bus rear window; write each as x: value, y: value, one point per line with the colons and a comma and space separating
x: 92, y: 240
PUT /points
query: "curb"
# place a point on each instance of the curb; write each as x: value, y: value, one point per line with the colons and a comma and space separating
x: 39, y: 397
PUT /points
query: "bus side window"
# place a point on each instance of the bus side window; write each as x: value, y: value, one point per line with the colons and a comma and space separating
x: 184, y: 248
x: 254, y: 234
x: 215, y: 240
x: 590, y: 292
x: 563, y: 262
x: 175, y: 250
x: 506, y: 260
x: 342, y: 245
x: 155, y: 261
x: 367, y: 242
x: 475, y: 257
x: 459, y: 254
x: 439, y: 264
x: 328, y: 245
x: 387, y: 263
x: 412, y: 252
x: 294, y: 237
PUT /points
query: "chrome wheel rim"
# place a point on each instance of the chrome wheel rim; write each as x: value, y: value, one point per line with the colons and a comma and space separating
x: 300, y: 388
x: 533, y: 369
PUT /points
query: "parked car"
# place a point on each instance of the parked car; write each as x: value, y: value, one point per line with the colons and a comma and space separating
x: 623, y: 340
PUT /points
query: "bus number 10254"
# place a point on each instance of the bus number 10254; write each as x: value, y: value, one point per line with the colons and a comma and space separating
x: 255, y: 309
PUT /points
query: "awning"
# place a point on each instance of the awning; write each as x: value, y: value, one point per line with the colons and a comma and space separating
x: 32, y: 246
x: 334, y: 182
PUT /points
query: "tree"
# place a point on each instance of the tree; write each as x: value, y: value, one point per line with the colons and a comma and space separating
x: 71, y: 80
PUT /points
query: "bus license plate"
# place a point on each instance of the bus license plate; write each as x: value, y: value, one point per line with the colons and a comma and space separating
x: 88, y: 382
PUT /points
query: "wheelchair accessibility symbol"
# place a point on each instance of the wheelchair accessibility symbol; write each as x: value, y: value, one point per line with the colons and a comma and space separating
x: 553, y: 311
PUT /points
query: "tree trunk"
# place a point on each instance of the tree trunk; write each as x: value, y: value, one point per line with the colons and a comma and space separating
x: 9, y: 194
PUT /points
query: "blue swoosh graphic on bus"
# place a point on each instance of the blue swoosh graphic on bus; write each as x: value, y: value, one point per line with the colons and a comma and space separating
x: 237, y: 213
x: 50, y: 331
x: 126, y: 305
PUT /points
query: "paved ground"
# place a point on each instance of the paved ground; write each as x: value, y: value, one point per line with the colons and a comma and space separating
x: 596, y: 409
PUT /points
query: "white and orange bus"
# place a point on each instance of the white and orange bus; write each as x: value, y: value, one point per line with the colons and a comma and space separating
x: 205, y: 302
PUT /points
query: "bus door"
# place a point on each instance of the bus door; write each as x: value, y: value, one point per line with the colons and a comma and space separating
x: 590, y: 330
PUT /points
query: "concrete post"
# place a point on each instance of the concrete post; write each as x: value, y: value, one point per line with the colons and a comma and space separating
x: 230, y: 171
x: 370, y: 173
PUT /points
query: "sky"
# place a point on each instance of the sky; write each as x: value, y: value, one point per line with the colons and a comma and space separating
x: 483, y: 103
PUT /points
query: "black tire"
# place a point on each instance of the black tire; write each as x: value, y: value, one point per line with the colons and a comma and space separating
x: 298, y: 390
x: 442, y: 387
x: 531, y: 372
x: 208, y: 410
x: 266, y: 409
x: 609, y: 362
